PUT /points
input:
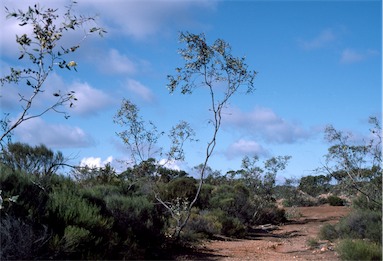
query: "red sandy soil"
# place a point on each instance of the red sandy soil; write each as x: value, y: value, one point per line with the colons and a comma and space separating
x: 285, y: 242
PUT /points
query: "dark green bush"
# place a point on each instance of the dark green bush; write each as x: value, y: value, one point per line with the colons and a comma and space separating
x: 21, y: 239
x: 271, y: 215
x: 139, y: 225
x: 363, y: 203
x: 328, y: 232
x: 362, y: 224
x: 358, y: 249
x: 232, y: 227
x: 203, y: 224
x: 335, y: 201
x: 74, y: 219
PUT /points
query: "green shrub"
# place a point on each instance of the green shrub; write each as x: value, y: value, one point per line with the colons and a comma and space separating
x: 271, y: 215
x: 312, y: 242
x: 74, y: 244
x: 139, y: 225
x: 328, y: 232
x: 204, y: 224
x: 67, y: 207
x: 299, y: 200
x: 359, y: 250
x: 362, y: 224
x: 362, y: 203
x: 233, y: 227
x: 20, y: 239
x: 335, y: 201
x: 293, y: 213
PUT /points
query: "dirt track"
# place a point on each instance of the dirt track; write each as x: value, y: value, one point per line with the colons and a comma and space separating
x: 287, y: 242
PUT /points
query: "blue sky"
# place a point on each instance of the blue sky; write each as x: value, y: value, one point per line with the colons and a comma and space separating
x: 318, y: 63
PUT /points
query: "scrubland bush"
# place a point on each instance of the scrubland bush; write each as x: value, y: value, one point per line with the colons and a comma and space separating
x: 232, y: 227
x: 21, y: 240
x: 328, y: 232
x: 271, y: 215
x: 203, y: 224
x: 358, y: 249
x: 362, y: 225
x: 335, y: 201
x: 138, y: 224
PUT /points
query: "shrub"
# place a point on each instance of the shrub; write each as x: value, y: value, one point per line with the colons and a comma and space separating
x: 74, y: 244
x: 204, y: 224
x: 362, y: 224
x: 335, y: 201
x: 328, y: 232
x: 21, y: 240
x: 271, y: 215
x: 293, y: 213
x: 362, y: 203
x: 72, y: 217
x: 233, y: 227
x: 312, y: 242
x: 359, y: 250
x: 139, y: 226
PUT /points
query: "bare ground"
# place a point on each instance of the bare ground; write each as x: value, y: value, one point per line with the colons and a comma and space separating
x: 286, y: 242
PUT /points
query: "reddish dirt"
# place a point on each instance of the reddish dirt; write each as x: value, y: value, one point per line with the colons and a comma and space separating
x: 286, y: 242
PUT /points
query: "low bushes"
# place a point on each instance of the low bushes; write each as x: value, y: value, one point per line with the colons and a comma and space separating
x: 358, y: 249
x: 360, y: 235
x: 335, y: 201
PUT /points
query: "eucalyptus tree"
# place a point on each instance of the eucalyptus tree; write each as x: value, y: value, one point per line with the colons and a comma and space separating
x: 215, y: 69
x: 41, y: 53
x: 356, y: 165
x: 37, y: 160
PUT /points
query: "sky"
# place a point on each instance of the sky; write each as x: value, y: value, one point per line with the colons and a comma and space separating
x: 318, y: 63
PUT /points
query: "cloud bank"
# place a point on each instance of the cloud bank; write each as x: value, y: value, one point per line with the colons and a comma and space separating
x: 264, y: 124
x: 57, y: 136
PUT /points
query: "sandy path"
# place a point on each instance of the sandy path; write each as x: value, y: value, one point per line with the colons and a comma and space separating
x: 287, y: 242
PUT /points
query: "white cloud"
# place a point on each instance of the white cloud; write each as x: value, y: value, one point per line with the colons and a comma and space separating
x: 95, y: 162
x: 116, y: 63
x: 264, y: 123
x: 170, y: 164
x: 353, y: 56
x: 36, y: 131
x: 140, y: 90
x: 244, y: 147
x: 141, y: 19
x: 89, y: 100
x: 322, y: 39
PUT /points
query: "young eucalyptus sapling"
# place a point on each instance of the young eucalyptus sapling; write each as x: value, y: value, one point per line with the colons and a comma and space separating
x: 223, y: 75
x: 42, y: 53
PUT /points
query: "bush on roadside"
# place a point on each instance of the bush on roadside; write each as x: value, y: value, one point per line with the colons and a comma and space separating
x: 203, y: 224
x: 328, y: 232
x: 360, y: 224
x: 335, y: 201
x: 358, y: 249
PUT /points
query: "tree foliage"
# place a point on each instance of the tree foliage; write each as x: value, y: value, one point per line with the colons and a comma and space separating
x: 215, y: 68
x: 42, y: 53
x: 356, y: 166
x: 36, y: 160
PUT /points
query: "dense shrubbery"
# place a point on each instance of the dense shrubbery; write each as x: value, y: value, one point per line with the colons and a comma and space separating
x: 358, y: 249
x: 99, y: 214
x: 54, y: 217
